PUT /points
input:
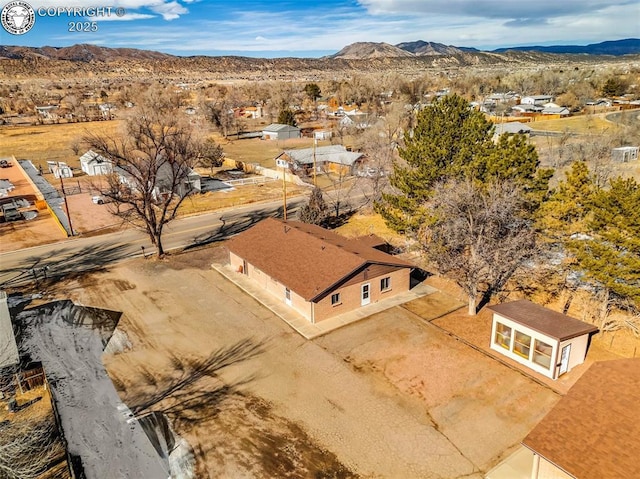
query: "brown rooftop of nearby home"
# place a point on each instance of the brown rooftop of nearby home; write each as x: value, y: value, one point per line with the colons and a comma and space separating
x: 543, y: 320
x: 594, y: 431
x: 306, y: 258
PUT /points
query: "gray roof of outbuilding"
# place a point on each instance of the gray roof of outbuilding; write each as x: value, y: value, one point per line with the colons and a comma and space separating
x: 275, y: 127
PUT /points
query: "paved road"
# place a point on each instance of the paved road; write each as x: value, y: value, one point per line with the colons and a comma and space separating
x: 77, y: 255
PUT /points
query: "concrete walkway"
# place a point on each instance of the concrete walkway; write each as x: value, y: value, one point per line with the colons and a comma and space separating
x: 302, y: 325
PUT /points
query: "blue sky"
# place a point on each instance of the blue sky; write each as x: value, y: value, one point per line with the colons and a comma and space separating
x: 280, y: 28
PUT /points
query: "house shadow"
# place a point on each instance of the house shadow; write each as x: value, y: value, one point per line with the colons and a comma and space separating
x: 418, y: 276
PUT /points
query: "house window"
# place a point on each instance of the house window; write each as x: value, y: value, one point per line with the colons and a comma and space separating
x: 385, y: 284
x: 522, y: 344
x: 335, y: 299
x: 542, y: 354
x: 503, y: 335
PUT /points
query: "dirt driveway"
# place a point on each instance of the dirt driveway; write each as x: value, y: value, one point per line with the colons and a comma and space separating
x: 389, y: 396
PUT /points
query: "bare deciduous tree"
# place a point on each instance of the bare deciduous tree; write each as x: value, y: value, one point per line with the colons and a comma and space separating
x: 477, y: 237
x: 153, y: 159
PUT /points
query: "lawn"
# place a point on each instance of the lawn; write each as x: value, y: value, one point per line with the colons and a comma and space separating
x: 49, y: 142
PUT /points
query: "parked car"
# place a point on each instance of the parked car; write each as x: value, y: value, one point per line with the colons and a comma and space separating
x: 5, y: 164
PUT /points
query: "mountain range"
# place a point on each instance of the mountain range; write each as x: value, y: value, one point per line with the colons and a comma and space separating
x: 94, y: 61
x: 419, y: 48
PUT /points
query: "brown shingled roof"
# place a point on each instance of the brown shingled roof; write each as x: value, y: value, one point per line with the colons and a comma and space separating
x: 306, y: 258
x: 594, y: 431
x: 543, y: 320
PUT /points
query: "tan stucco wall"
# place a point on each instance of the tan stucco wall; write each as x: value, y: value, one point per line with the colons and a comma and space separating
x: 351, y: 295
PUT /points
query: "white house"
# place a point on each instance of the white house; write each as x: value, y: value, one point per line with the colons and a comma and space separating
x: 94, y: 164
x: 539, y: 338
x: 536, y: 99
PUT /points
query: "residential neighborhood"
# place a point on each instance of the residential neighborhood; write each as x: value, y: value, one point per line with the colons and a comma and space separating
x: 381, y: 261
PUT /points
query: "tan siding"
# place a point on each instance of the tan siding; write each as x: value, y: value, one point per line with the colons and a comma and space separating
x: 350, y: 295
x: 371, y: 271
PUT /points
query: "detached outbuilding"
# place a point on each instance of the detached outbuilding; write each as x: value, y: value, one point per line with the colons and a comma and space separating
x: 278, y: 131
x: 317, y: 272
x: 539, y: 338
x: 94, y: 164
x: 624, y: 154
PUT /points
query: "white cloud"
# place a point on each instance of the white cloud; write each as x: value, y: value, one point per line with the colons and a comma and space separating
x: 168, y: 9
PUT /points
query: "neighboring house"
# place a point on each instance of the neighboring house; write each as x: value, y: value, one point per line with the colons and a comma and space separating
x: 322, y: 134
x: 539, y: 338
x: 106, y: 110
x: 593, y: 432
x: 50, y: 112
x: 326, y: 158
x: 512, y: 128
x: 526, y: 109
x: 625, y: 154
x: 164, y: 179
x: 602, y: 102
x: 278, y: 131
x: 253, y: 112
x: 94, y: 164
x: 499, y: 98
x: 556, y: 110
x: 359, y: 121
x: 536, y: 99
x: 317, y: 272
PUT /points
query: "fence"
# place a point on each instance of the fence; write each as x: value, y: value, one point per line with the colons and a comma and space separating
x: 249, y: 181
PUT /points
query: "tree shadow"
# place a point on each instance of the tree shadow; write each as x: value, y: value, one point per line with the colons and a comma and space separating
x: 63, y: 263
x: 196, y: 393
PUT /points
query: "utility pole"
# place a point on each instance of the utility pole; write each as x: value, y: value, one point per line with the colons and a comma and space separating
x: 66, y: 204
x: 315, y: 142
x: 284, y: 193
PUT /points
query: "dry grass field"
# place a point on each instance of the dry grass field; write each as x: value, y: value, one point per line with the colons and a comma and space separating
x: 49, y: 142
x: 585, y: 124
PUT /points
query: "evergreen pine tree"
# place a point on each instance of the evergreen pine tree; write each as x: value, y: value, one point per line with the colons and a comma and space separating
x: 316, y: 210
x: 286, y: 117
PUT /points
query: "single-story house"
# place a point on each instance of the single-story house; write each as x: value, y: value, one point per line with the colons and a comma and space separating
x: 526, y: 109
x: 511, y: 128
x: 278, y: 131
x: 593, y: 431
x: 539, y: 338
x: 316, y: 272
x: 190, y: 184
x: 322, y: 134
x: 624, y: 154
x: 556, y: 110
x: 326, y: 158
x: 50, y: 112
x: 359, y: 121
x: 94, y: 164
x: 536, y: 99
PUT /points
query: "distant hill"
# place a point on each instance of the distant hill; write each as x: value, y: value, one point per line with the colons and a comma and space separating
x: 361, y: 50
x: 421, y: 47
x: 615, y: 47
x: 81, y: 53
